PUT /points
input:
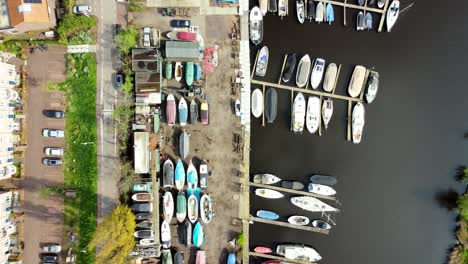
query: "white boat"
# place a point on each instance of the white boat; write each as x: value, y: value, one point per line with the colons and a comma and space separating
x: 282, y: 8
x: 165, y: 234
x: 381, y: 3
x: 360, y: 21
x: 312, y: 204
x: 300, y: 9
x: 178, y: 71
x: 257, y: 103
x: 372, y: 86
x: 327, y: 111
x: 268, y: 193
x: 358, y: 121
x: 256, y: 25
x: 168, y: 207
x: 392, y: 14
x: 263, y: 6
x: 321, y: 224
x: 303, y: 71
x: 206, y: 208
x: 237, y: 107
x: 192, y: 176
x: 298, y: 113
x: 357, y: 81
x: 145, y: 242
x: 330, y: 77
x: 313, y: 114
x: 192, y: 208
x: 321, y: 189
x: 319, y: 10
x: 183, y: 108
x: 298, y: 252
x: 262, y: 62
x: 266, y: 178
x: 298, y: 220
x: 317, y: 73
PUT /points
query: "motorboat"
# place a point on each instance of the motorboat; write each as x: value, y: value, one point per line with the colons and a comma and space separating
x: 392, y: 14
x: 178, y: 71
x: 310, y: 10
x: 181, y: 212
x: 168, y: 206
x: 183, y: 112
x: 323, y: 179
x: 206, y: 208
x: 327, y: 111
x: 263, y: 250
x: 188, y: 233
x: 312, y: 204
x: 321, y: 189
x: 182, y: 35
x: 144, y: 234
x: 360, y: 21
x: 166, y: 256
x: 192, y: 208
x: 329, y: 14
x: 146, y: 242
x: 380, y: 3
x: 319, y: 12
x: 268, y: 193
x: 179, y: 175
x: 142, y: 207
x: 262, y: 62
x: 294, y: 185
x: 358, y: 121
x: 256, y: 25
x: 141, y: 187
x: 300, y: 9
x: 330, y: 77
x: 368, y: 21
x: 357, y: 81
x: 168, y: 174
x: 204, y: 113
x: 257, y: 103
x: 372, y: 86
x: 237, y: 107
x: 271, y: 101
x: 303, y: 71
x: 170, y: 110
x: 298, y: 252
x: 289, y: 68
x: 313, y: 114
x: 267, y: 215
x: 142, y: 197
x: 198, y: 72
x: 184, y: 144
x: 266, y: 178
x: 201, y: 257
x: 189, y: 73
x: 192, y: 176
x: 146, y: 224
x: 179, y: 257
x: 317, y: 73
x: 165, y: 234
x: 204, y: 174
x: 168, y: 70
x: 193, y: 111
x: 272, y: 6
x: 282, y: 8
x: 298, y: 220
x: 298, y: 113
x: 143, y: 216
x: 198, y: 235
x: 321, y: 224
x: 263, y: 6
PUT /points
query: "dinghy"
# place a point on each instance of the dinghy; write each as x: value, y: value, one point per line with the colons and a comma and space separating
x: 201, y: 257
x: 146, y: 242
x: 256, y: 25
x: 206, y: 208
x: 327, y: 112
x: 368, y: 21
x: 192, y: 208
x: 168, y: 174
x: 358, y: 121
x: 192, y: 176
x: 317, y: 73
x: 183, y: 112
x: 300, y: 10
x: 298, y: 114
x: 289, y: 68
x: 268, y: 193
x: 198, y: 71
x: 298, y: 252
x: 165, y: 234
x: 179, y: 258
x: 204, y: 113
x: 360, y: 21
x: 266, y: 179
x: 323, y: 179
x: 168, y: 206
x: 330, y: 77
x: 263, y: 250
x: 142, y: 197
x: 321, y: 189
x: 168, y: 70
x: 166, y: 256
x: 141, y: 187
x: 321, y: 224
x: 184, y: 144
x: 294, y: 185
x: 178, y: 71
x: 330, y: 14
x: 372, y: 86
x: 303, y: 71
x: 179, y: 175
x: 237, y: 107
x: 313, y: 114
x: 188, y: 233
x: 204, y: 174
x: 257, y: 103
x: 267, y: 215
x: 392, y: 14
x: 198, y: 235
x: 143, y: 216
x: 262, y: 62
x: 272, y: 6
x: 193, y: 111
x: 263, y: 6
x: 312, y: 204
x: 146, y: 224
x: 310, y: 10
x: 298, y: 220
x: 319, y: 13
x: 357, y: 81
x: 170, y: 110
x: 181, y: 212
x: 282, y: 8
x: 380, y: 3
x: 271, y: 101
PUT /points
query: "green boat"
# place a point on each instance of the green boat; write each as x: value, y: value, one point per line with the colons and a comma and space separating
x: 156, y: 123
x: 166, y: 256
x: 181, y: 207
x: 169, y: 70
x: 142, y: 187
x: 189, y: 73
x: 157, y: 166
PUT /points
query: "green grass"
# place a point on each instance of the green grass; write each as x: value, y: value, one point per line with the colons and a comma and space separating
x: 72, y: 24
x: 136, y: 7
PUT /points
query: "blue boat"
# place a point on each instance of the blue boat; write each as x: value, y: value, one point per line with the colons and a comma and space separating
x: 267, y: 215
x: 231, y: 258
x: 183, y: 111
x: 330, y: 17
x: 198, y: 235
x: 196, y: 192
x: 198, y: 72
x: 179, y: 175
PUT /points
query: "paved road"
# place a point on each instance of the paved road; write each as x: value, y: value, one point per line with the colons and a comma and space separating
x: 106, y: 97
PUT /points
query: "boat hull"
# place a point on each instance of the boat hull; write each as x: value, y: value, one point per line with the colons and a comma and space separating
x: 179, y: 175
x: 298, y: 252
x: 257, y: 103
x: 289, y: 68
x: 183, y: 112
x: 192, y: 208
x: 165, y: 234
x: 372, y: 86
x: 303, y: 71
x: 312, y: 204
x: 267, y: 215
x: 298, y: 114
x: 168, y: 174
x: 321, y: 189
x: 271, y: 102
x: 317, y: 73
x: 198, y: 235
x: 170, y: 110
x: 392, y: 14
x: 181, y: 212
x: 319, y: 12
x: 256, y: 25
x: 323, y: 179
x: 262, y: 62
x: 184, y: 144
x: 357, y: 124
x: 327, y: 112
x: 168, y: 208
x: 357, y: 81
x: 313, y: 114
x: 192, y: 176
x: 298, y: 220
x: 330, y: 78
x: 266, y: 178
x: 321, y: 224
x: 300, y: 11
x: 268, y: 193
x: 294, y: 185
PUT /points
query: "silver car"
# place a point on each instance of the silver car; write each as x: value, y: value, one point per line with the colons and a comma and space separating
x: 52, y: 248
x: 47, y: 132
x: 82, y: 9
x: 53, y: 151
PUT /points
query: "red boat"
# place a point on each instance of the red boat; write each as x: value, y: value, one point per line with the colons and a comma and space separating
x: 188, y: 36
x: 204, y: 113
x: 170, y: 110
x: 263, y: 250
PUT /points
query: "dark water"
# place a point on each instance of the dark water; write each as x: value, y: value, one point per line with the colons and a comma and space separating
x: 413, y: 139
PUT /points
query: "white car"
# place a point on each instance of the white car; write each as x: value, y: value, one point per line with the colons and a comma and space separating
x: 146, y: 37
x: 82, y: 9
x: 53, y: 151
x: 58, y: 133
x: 52, y: 248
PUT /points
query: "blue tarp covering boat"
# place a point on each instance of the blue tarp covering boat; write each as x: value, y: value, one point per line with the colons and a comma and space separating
x: 330, y: 14
x: 198, y: 235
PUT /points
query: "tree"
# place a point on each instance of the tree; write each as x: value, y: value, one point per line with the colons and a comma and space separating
x: 114, y: 236
x: 462, y: 204
x: 126, y: 39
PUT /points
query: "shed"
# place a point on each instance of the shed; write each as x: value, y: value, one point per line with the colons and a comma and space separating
x: 183, y: 51
x: 141, y: 152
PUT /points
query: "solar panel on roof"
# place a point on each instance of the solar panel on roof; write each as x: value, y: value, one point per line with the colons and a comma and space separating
x: 32, y: 1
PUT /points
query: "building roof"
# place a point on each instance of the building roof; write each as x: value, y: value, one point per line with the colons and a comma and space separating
x: 141, y: 152
x: 28, y: 11
x: 182, y: 51
x: 146, y: 60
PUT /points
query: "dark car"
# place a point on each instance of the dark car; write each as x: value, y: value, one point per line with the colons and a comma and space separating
x: 180, y: 23
x: 54, y: 114
x: 52, y: 161
x: 118, y: 80
x: 49, y: 257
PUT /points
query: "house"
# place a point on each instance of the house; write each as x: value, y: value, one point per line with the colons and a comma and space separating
x: 20, y: 16
x: 183, y: 51
x: 146, y: 63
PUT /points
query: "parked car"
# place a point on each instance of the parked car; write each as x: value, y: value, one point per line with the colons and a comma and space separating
x: 52, y: 161
x: 54, y: 114
x: 53, y: 151
x: 144, y: 234
x: 58, y: 133
x: 118, y: 80
x: 143, y: 207
x: 146, y: 37
x: 49, y: 257
x: 180, y: 23
x: 82, y: 9
x: 52, y: 248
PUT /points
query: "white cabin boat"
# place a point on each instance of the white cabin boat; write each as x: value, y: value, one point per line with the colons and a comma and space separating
x: 392, y: 14
x: 372, y: 86
x: 317, y: 73
x: 298, y: 114
x: 282, y: 8
x: 256, y: 25
x: 300, y: 10
x: 327, y: 111
x: 262, y: 62
x: 165, y: 234
x: 313, y: 114
x: 298, y: 220
x: 357, y: 125
x: 266, y: 178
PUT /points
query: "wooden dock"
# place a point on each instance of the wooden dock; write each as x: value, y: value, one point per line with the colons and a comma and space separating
x: 291, y: 191
x: 267, y: 256
x: 288, y: 225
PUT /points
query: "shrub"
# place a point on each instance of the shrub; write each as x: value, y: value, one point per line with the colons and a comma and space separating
x: 126, y: 39
x: 70, y: 24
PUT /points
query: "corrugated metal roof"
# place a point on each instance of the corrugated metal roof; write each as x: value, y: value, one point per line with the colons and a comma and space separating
x: 182, y: 51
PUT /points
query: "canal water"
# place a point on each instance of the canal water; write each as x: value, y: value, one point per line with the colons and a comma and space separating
x: 414, y: 138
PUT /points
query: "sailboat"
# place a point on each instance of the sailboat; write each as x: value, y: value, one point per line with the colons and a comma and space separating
x: 262, y: 62
x: 319, y: 12
x: 310, y: 10
x: 327, y: 112
x: 298, y: 252
x: 358, y: 121
x: 179, y: 176
x: 392, y: 14
x: 357, y: 81
x: 298, y: 114
x: 317, y: 73
x: 330, y: 77
x: 330, y: 14
x: 300, y: 9
x: 312, y: 204
x: 303, y: 71
x: 372, y: 86
x: 257, y: 103
x: 256, y: 25
x: 321, y: 189
x: 192, y: 176
x: 313, y: 114
x: 271, y: 102
x: 268, y: 193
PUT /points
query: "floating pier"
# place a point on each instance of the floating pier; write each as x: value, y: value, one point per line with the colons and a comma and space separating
x: 291, y: 191
x: 267, y: 256
x: 286, y: 224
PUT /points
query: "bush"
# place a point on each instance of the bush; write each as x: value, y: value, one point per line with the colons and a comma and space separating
x: 70, y: 24
x: 126, y: 39
x: 136, y: 7
x: 82, y: 37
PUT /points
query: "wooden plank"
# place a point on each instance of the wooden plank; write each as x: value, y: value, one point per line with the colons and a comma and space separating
x: 363, y: 88
x: 320, y: 116
x: 267, y: 256
x: 288, y: 225
x: 292, y: 109
x: 336, y: 78
x: 263, y: 110
x: 344, y: 13
x: 348, y: 134
x: 382, y: 17
x: 291, y: 191
x: 282, y: 68
x: 353, y: 6
x: 255, y: 65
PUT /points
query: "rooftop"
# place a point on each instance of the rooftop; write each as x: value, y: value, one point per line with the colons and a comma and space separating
x: 146, y: 60
x: 183, y: 51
